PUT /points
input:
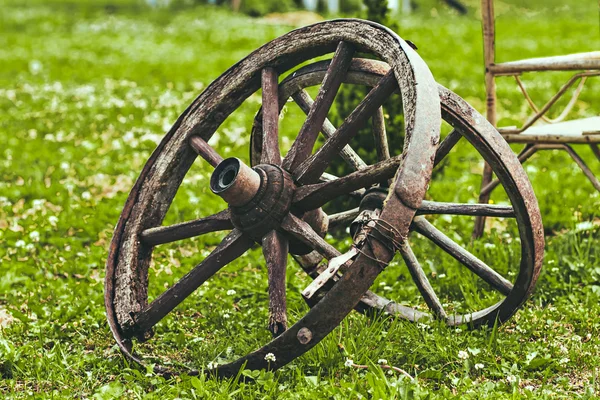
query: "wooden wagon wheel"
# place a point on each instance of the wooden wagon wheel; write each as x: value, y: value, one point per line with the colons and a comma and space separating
x: 487, y: 141
x: 262, y: 200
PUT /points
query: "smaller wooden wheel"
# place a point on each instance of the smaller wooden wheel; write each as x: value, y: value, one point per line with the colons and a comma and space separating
x: 466, y: 289
x: 275, y: 200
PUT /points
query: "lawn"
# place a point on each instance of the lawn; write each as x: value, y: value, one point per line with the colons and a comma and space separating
x: 88, y: 89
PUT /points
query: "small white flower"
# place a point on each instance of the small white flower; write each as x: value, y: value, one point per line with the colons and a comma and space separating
x: 489, y: 245
x: 479, y: 366
x: 382, y: 361
x: 270, y: 357
x: 53, y: 219
x: 530, y: 388
x: 441, y: 276
x: 511, y: 379
x: 86, y: 195
x: 390, y: 372
x: 458, y: 330
x: 564, y: 360
x: 348, y: 363
x: 226, y: 315
x: 64, y: 165
x: 38, y: 203
x: 212, y: 365
x: 35, y: 236
x: 20, y: 243
x: 230, y: 292
x: 463, y: 355
x: 30, y: 246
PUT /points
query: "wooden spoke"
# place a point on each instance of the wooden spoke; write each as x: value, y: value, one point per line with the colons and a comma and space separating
x: 311, y: 169
x: 307, y: 136
x: 421, y: 281
x: 304, y: 233
x: 487, y: 210
x: 234, y: 245
x: 205, y: 151
x: 314, y: 196
x: 275, y: 250
x: 447, y: 144
x: 305, y: 102
x: 270, y: 118
x: 185, y: 230
x: 343, y: 218
x: 381, y: 142
x: 326, y: 177
x: 497, y: 281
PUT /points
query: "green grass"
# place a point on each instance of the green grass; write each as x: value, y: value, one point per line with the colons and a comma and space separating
x: 87, y: 89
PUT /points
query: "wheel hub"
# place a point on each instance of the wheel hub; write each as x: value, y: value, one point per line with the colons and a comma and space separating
x: 259, y: 198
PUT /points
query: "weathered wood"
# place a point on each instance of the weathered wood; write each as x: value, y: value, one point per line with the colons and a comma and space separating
x: 487, y: 210
x: 568, y: 62
x: 275, y: 250
x: 420, y: 279
x: 307, y: 136
x: 380, y: 136
x: 446, y: 145
x: 305, y: 102
x: 234, y: 245
x: 185, y: 230
x: 304, y: 233
x: 343, y: 218
x: 313, y: 196
x: 270, y: 115
x: 311, y: 169
x: 205, y: 151
x: 478, y: 267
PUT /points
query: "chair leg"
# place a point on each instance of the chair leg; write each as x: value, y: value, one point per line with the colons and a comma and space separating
x: 586, y: 170
x: 596, y: 150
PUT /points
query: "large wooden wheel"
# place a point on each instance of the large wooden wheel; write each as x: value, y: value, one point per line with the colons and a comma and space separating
x: 513, y: 285
x: 277, y: 202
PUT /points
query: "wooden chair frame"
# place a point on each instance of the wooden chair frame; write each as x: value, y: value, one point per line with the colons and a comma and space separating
x: 584, y: 131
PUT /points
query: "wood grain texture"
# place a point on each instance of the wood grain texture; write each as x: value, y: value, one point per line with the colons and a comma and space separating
x: 307, y: 136
x: 166, y: 234
x: 205, y: 151
x: 275, y: 250
x: 234, y: 245
x: 478, y: 267
x: 311, y: 169
x: 421, y: 281
x: 305, y: 102
x: 270, y: 117
x: 313, y: 196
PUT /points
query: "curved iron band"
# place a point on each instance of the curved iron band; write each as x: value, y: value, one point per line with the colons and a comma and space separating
x: 475, y: 128
x: 173, y: 157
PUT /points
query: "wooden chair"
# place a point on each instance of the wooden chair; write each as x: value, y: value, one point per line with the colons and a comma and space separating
x: 554, y: 133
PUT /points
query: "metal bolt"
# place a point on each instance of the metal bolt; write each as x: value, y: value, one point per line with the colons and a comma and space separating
x: 304, y: 335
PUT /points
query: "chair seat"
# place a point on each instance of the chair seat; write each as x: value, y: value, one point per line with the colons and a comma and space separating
x: 585, y: 130
x: 577, y: 61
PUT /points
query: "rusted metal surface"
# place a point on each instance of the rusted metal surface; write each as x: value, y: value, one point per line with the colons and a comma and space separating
x: 235, y: 182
